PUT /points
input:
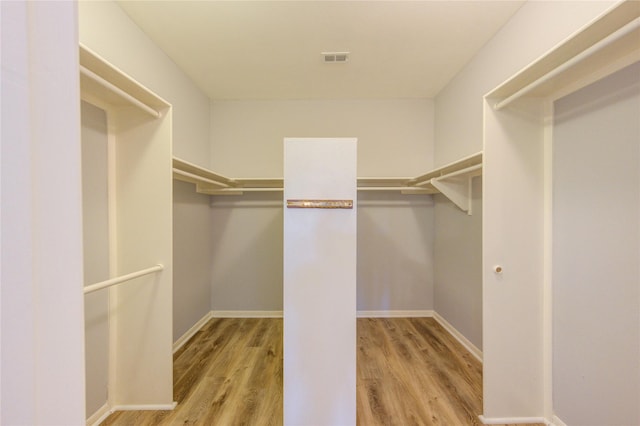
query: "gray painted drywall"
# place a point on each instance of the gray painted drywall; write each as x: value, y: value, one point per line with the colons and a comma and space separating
x: 191, y: 257
x: 395, y: 252
x: 95, y: 228
x: 247, y: 252
x: 458, y: 238
x: 596, y: 252
x: 395, y: 234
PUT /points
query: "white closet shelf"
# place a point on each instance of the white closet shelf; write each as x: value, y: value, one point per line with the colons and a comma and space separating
x: 107, y: 87
x: 456, y: 168
x: 609, y: 43
x: 452, y: 180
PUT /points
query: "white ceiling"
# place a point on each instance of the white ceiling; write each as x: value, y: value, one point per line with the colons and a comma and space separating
x: 272, y: 49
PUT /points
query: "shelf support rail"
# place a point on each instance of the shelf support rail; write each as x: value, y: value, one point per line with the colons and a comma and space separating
x: 118, y: 91
x: 627, y: 29
x: 122, y: 278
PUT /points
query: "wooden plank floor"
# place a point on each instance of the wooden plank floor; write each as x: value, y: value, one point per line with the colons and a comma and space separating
x: 410, y: 371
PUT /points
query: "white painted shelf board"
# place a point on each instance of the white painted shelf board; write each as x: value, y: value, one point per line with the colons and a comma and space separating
x: 99, y: 80
x: 260, y: 182
x: 611, y: 40
x: 448, y: 169
x: 453, y: 179
x: 204, y: 179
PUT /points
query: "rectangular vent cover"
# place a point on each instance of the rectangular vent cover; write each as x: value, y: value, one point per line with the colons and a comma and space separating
x: 335, y: 57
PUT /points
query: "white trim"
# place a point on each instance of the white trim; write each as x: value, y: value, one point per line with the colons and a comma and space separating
x: 359, y: 314
x: 473, y: 349
x: 246, y: 314
x: 555, y: 421
x: 145, y: 407
x: 513, y: 420
x: 547, y: 281
x: 394, y: 314
x: 192, y: 331
x: 100, y: 415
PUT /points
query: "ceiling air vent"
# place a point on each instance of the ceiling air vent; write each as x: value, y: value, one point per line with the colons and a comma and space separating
x: 335, y: 57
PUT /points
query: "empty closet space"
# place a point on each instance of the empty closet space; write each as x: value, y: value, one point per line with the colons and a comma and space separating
x: 484, y: 219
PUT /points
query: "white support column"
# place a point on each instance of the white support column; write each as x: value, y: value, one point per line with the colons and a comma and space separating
x: 320, y: 284
x: 513, y: 262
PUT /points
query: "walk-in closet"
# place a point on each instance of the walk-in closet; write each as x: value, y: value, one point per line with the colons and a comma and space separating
x: 270, y: 214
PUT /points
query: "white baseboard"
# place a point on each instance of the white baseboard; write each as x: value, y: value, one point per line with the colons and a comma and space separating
x: 99, y: 416
x: 246, y: 314
x: 145, y: 407
x: 512, y: 420
x: 193, y: 330
x: 360, y: 314
x: 394, y: 314
x: 555, y: 421
x: 473, y: 349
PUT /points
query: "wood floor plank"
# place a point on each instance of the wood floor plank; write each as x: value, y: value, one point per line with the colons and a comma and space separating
x: 410, y: 371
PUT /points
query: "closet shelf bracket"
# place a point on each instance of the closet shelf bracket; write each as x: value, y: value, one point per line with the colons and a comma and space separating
x: 457, y: 187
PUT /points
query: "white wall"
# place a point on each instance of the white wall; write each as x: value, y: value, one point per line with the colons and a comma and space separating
x: 107, y: 30
x: 395, y: 138
x: 533, y: 30
x: 95, y: 228
x: 41, y: 316
x: 596, y: 248
x: 320, y: 249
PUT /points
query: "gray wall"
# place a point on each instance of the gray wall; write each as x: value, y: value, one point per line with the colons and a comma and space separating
x: 395, y: 259
x: 191, y: 257
x: 95, y: 228
x: 458, y: 238
x: 395, y: 252
x: 247, y: 252
x: 596, y: 252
